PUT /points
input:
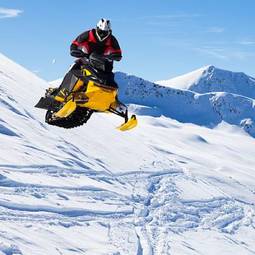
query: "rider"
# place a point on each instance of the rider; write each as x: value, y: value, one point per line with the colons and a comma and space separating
x: 99, y: 43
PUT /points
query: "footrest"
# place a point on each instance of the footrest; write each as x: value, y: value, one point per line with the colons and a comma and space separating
x: 46, y: 103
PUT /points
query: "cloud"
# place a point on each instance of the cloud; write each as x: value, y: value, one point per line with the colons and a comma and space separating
x: 171, y: 16
x: 214, y: 52
x: 9, y: 13
x: 169, y: 21
x: 247, y: 42
x: 216, y: 30
x: 225, y: 54
x: 162, y: 19
x: 243, y: 55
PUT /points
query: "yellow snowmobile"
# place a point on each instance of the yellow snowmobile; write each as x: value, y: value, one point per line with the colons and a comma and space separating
x: 89, y: 94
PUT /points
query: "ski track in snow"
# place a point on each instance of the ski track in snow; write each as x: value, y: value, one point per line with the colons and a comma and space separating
x: 152, y: 206
x: 162, y: 212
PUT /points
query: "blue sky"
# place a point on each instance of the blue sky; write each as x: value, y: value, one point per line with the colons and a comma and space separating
x: 160, y: 39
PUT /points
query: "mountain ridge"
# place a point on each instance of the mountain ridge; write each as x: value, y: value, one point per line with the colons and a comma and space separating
x: 213, y: 79
x: 187, y: 106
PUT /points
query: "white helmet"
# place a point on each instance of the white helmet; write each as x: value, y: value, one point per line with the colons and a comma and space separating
x: 104, y: 29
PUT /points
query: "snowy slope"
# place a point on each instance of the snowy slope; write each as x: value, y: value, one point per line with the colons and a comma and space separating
x: 165, y: 188
x: 212, y: 79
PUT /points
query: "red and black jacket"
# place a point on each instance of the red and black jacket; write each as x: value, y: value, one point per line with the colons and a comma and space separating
x: 88, y: 42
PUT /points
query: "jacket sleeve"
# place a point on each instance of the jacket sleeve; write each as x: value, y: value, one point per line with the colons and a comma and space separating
x: 113, y: 50
x: 79, y: 47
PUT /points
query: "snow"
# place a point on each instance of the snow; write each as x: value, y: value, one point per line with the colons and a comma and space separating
x: 182, y: 182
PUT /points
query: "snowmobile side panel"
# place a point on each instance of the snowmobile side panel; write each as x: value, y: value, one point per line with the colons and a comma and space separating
x: 78, y: 85
x: 99, y: 98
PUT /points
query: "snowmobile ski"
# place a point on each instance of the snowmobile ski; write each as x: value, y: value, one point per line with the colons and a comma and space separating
x: 131, y: 123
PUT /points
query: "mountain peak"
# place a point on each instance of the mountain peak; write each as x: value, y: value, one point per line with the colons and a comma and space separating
x: 210, y: 68
x: 212, y: 79
x: 188, y: 79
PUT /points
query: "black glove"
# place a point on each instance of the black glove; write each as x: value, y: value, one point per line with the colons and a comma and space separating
x: 84, y: 60
x: 78, y: 53
x: 98, y: 61
x: 114, y: 57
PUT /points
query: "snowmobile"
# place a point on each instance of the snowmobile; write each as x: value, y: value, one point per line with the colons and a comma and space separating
x: 91, y: 93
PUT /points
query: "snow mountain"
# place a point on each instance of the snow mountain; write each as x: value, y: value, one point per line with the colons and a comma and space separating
x: 206, y: 109
x: 182, y: 182
x: 212, y: 79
